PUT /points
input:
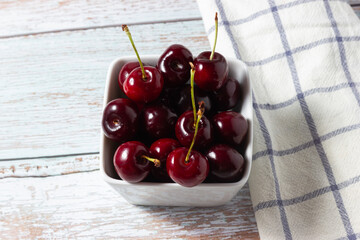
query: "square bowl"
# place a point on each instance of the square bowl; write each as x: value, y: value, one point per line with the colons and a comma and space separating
x: 173, y: 194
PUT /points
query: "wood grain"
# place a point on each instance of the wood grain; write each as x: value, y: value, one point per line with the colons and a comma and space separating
x: 82, y: 206
x: 27, y: 17
x: 24, y: 17
x: 357, y: 10
x: 49, y: 166
x: 52, y: 85
x: 353, y: 2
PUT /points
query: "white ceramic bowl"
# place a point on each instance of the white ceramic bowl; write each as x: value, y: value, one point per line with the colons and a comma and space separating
x: 172, y: 194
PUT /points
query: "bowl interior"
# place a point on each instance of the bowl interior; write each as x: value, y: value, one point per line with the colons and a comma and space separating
x: 237, y: 70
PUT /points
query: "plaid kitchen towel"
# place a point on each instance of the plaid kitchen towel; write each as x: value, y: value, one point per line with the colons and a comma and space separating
x: 304, y: 65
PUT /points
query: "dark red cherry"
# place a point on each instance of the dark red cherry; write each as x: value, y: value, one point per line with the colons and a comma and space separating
x: 187, y: 174
x: 143, y: 90
x: 160, y: 150
x: 211, y: 68
x: 230, y: 127
x: 125, y: 71
x: 129, y: 162
x: 210, y: 75
x: 158, y: 121
x: 226, y: 164
x: 140, y: 105
x: 174, y: 65
x: 120, y: 120
x: 144, y: 84
x: 169, y: 98
x: 185, y: 130
x: 228, y: 96
x: 184, y: 100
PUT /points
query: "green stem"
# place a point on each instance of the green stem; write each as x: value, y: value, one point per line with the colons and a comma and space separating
x: 156, y: 162
x: 200, y: 113
x: 192, y: 74
x: 126, y: 30
x: 216, y: 33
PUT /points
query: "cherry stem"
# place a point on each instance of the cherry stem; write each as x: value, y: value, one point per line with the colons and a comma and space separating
x: 156, y: 162
x: 216, y: 33
x: 200, y: 113
x: 126, y: 30
x: 192, y: 74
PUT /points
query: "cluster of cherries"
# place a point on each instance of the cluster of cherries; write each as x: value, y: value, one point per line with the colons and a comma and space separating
x: 160, y: 112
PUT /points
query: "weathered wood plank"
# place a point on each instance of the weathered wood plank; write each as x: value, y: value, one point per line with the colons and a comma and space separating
x: 357, y: 10
x: 19, y: 17
x: 353, y: 2
x: 52, y: 85
x: 42, y: 167
x: 82, y: 206
x: 84, y: 14
x: 25, y: 17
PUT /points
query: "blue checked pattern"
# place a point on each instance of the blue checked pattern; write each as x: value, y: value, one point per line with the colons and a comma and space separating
x: 310, y: 121
x: 314, y: 204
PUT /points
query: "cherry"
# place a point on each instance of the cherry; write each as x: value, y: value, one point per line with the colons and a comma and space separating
x: 190, y: 173
x: 210, y: 74
x: 125, y: 71
x: 160, y: 150
x: 186, y: 167
x: 174, y: 65
x: 144, y: 84
x: 226, y: 164
x: 184, y: 130
x: 120, y: 120
x: 187, y: 125
x: 230, y: 127
x: 211, y: 67
x: 140, y: 105
x: 169, y: 97
x: 228, y: 96
x: 143, y: 90
x: 131, y: 161
x: 184, y: 100
x: 158, y: 121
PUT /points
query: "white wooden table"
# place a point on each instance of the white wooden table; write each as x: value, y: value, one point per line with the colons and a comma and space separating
x: 53, y: 62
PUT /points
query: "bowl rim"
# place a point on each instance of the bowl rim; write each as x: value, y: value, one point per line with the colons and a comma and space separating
x: 111, y: 180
